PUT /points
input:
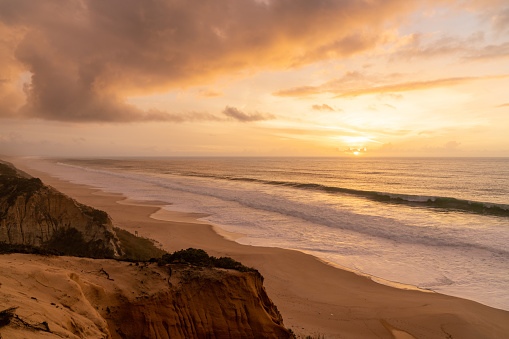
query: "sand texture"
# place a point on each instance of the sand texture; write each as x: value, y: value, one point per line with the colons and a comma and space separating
x: 313, y: 297
x: 69, y: 297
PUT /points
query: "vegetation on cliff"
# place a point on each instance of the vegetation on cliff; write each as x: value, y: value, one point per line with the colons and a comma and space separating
x: 70, y: 241
x: 137, y: 248
x: 35, y: 218
x: 13, y: 185
x: 200, y: 258
x: 85, y: 298
x: 183, y: 296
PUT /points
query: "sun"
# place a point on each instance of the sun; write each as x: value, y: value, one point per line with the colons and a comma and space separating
x: 356, y: 153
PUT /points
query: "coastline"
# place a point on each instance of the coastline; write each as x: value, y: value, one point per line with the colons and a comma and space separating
x: 314, y: 297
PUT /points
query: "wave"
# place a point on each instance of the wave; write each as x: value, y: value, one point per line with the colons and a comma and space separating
x: 371, y: 225
x: 443, y: 203
x: 423, y: 201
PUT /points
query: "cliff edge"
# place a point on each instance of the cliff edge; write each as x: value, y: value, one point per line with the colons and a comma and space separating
x: 33, y: 214
x: 47, y: 296
x: 55, y: 297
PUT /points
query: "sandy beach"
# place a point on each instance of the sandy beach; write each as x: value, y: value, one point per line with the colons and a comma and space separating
x: 313, y: 297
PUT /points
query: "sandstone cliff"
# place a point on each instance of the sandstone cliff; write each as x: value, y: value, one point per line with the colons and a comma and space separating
x: 36, y: 215
x: 50, y: 297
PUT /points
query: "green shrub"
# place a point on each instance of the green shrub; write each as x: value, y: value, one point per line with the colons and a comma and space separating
x: 200, y: 258
x: 193, y: 256
x: 229, y: 263
x: 137, y: 248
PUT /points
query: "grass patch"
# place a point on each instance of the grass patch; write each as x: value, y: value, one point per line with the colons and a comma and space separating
x: 137, y: 248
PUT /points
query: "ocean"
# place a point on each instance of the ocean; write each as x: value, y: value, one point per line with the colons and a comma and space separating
x: 440, y: 224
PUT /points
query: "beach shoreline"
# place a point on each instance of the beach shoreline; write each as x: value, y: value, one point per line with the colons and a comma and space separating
x: 314, y: 297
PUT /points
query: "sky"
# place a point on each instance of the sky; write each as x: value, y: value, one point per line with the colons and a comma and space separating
x: 254, y: 78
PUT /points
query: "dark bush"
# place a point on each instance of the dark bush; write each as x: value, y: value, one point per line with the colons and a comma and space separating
x: 199, y: 257
x: 70, y: 241
x: 193, y: 256
x: 229, y: 263
x: 13, y: 186
x: 98, y: 216
x: 27, y: 249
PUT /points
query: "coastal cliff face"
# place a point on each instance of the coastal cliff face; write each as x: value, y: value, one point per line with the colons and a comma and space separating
x: 37, y: 215
x: 71, y: 297
x: 208, y: 303
x: 85, y: 298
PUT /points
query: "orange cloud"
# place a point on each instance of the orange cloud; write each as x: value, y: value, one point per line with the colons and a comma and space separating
x: 209, y: 93
x: 323, y: 107
x: 87, y: 56
x: 414, y: 86
x: 342, y: 87
x: 236, y: 114
x: 301, y: 91
x: 489, y: 52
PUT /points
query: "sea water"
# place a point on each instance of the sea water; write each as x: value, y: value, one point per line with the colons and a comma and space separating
x: 435, y: 223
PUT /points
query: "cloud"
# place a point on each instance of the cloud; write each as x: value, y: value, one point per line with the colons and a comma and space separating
x: 323, y: 107
x: 350, y: 79
x: 503, y: 105
x: 406, y: 86
x: 452, y: 144
x: 500, y: 20
x: 471, y: 48
x: 489, y: 52
x: 419, y: 45
x: 446, y: 147
x: 354, y: 84
x: 238, y: 115
x: 414, y: 86
x: 87, y: 56
x: 209, y: 93
x: 301, y: 91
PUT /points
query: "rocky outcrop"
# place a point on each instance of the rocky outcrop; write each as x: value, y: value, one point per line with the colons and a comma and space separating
x: 36, y: 215
x: 208, y: 303
x: 84, y: 298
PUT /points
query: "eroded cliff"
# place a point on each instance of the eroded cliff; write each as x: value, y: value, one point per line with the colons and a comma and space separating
x: 86, y: 298
x: 34, y: 214
x: 51, y: 296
